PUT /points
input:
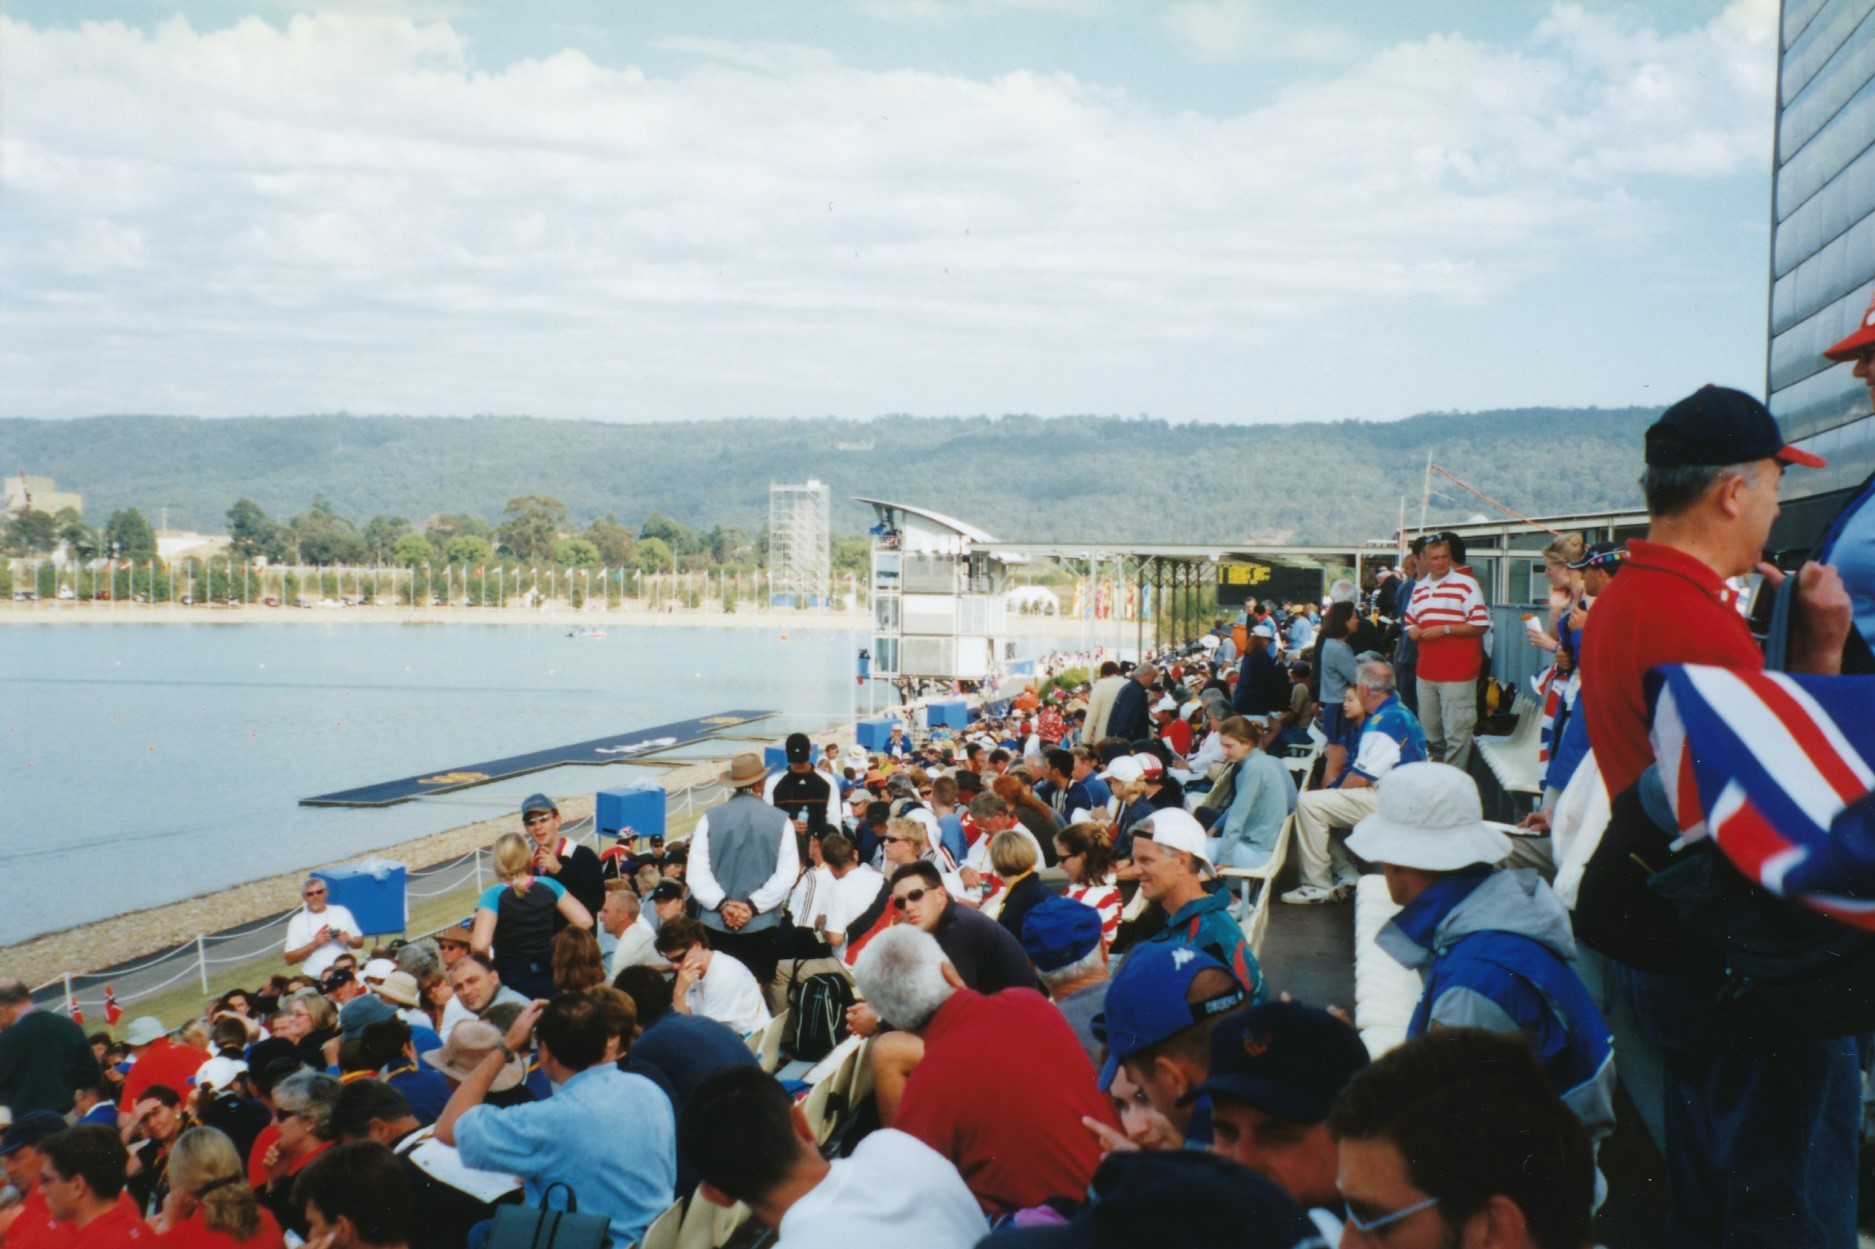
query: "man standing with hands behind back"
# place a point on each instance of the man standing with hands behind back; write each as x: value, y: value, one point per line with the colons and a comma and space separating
x: 744, y: 860
x: 1446, y: 621
x: 319, y: 933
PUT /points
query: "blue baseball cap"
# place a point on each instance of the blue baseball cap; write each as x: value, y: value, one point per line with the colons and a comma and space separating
x: 538, y: 802
x: 1059, y: 932
x: 29, y: 1129
x: 1146, y: 1001
x: 1285, y: 1058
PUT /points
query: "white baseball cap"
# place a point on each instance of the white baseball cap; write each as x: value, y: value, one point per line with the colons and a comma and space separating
x: 1430, y: 818
x: 1176, y: 830
x: 1165, y: 703
x: 1125, y: 770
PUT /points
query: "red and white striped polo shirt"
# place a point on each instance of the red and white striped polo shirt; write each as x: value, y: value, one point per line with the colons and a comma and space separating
x: 1453, y: 599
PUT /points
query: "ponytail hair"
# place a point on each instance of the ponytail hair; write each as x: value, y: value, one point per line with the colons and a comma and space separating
x: 204, y: 1165
x: 514, y: 859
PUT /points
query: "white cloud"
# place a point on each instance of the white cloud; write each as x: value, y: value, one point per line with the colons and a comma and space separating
x: 346, y: 211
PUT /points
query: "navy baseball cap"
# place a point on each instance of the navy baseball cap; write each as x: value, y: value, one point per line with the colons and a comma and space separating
x: 1285, y: 1058
x: 29, y: 1129
x: 1173, y: 1197
x: 1059, y: 932
x: 538, y: 802
x: 361, y: 1012
x: 1718, y: 425
x: 667, y: 891
x: 1607, y: 555
x: 1146, y: 1001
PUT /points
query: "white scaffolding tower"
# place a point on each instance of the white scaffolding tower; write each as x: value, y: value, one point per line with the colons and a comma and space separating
x: 800, y: 544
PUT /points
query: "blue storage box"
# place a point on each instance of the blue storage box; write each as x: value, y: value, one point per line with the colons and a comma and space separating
x: 373, y: 891
x: 874, y: 734
x: 775, y: 758
x: 637, y: 807
x: 948, y: 713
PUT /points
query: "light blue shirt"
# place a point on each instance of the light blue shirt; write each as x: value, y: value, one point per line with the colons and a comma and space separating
x: 609, y: 1136
x: 1259, y: 805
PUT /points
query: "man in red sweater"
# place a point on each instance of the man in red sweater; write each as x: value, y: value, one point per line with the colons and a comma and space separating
x: 1003, y: 1084
x: 1761, y: 1118
x: 83, y: 1179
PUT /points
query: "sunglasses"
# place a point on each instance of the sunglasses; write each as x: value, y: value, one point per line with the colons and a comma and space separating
x: 889, y: 840
x: 903, y: 900
x: 539, y: 817
x: 1367, y: 1227
x: 314, y: 893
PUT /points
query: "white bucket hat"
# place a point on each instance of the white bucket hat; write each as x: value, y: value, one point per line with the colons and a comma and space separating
x: 1430, y: 819
x: 145, y: 1029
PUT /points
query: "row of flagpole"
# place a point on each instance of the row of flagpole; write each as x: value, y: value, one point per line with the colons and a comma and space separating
x: 459, y: 584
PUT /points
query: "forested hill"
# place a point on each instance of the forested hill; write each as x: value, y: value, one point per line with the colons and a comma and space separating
x: 1020, y: 477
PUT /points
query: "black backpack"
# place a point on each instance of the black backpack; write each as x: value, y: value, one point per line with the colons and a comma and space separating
x: 818, y: 1021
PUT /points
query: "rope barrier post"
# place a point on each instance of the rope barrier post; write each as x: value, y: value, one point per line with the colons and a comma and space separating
x: 201, y: 960
x: 70, y: 1001
x: 476, y: 854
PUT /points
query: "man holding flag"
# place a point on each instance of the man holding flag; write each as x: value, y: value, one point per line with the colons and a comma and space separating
x: 1761, y: 1114
x: 43, y: 1055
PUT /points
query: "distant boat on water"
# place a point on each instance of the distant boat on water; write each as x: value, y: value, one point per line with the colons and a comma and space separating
x: 586, y: 633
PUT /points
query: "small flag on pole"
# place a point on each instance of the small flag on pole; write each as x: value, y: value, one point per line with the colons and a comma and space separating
x: 112, y: 1011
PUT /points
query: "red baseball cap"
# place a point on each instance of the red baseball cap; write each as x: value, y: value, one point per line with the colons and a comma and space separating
x: 1862, y: 336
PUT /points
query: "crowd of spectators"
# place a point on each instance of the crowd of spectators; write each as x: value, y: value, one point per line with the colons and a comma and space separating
x: 1068, y: 1035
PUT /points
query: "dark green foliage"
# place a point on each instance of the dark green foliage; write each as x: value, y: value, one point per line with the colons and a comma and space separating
x: 1019, y: 477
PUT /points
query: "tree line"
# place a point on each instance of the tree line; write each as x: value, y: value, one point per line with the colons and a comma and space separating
x: 535, y: 531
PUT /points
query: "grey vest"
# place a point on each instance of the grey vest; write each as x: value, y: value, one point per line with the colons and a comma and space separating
x: 745, y: 845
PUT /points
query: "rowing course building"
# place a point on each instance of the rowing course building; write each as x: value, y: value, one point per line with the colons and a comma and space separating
x: 1822, y: 251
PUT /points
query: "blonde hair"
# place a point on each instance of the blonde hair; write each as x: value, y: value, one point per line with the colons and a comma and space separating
x: 205, y: 1165
x: 318, y: 1008
x: 514, y: 858
x: 1011, y: 853
x: 1566, y: 549
x: 910, y: 830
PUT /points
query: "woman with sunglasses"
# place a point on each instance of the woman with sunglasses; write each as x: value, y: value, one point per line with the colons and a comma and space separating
x: 1086, y: 855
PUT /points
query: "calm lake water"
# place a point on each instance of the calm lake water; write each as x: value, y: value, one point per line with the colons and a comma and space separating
x: 142, y: 764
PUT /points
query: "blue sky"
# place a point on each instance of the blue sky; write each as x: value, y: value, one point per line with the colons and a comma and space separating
x: 1218, y: 210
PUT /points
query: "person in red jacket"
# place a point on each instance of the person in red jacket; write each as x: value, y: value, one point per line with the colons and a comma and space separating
x: 1003, y: 1085
x: 158, y: 1060
x: 83, y: 1179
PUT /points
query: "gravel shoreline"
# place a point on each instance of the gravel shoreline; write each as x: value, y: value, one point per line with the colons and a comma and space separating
x: 122, y: 938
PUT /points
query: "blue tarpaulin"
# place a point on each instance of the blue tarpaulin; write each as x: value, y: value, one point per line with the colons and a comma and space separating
x: 598, y: 751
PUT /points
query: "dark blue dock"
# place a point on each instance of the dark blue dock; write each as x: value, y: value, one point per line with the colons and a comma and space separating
x: 624, y: 747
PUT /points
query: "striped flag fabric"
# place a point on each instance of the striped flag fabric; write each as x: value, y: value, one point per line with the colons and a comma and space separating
x: 1777, y: 769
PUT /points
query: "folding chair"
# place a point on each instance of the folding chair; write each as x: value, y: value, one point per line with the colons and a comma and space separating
x: 1266, y: 874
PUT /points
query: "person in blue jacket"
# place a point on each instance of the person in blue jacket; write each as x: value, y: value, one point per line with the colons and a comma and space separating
x: 1492, y: 946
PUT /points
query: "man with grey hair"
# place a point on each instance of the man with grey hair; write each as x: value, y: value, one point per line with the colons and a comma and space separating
x: 1131, y: 719
x: 634, y: 940
x: 43, y: 1055
x: 318, y: 933
x: 1002, y: 1085
x: 1062, y: 939
x: 1390, y: 736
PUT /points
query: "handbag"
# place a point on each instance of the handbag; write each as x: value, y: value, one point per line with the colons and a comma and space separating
x: 543, y: 1227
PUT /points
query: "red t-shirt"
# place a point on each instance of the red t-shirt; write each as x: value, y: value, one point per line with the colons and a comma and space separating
x: 35, y: 1228
x: 193, y: 1233
x: 1000, y: 1092
x: 166, y: 1063
x: 117, y: 1228
x: 1664, y: 608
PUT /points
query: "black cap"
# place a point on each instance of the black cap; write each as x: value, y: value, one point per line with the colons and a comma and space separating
x: 1284, y: 1058
x: 969, y: 782
x: 1173, y: 1197
x: 878, y: 812
x: 667, y: 891
x: 1604, y: 555
x: 338, y: 977
x: 1718, y: 425
x: 800, y: 750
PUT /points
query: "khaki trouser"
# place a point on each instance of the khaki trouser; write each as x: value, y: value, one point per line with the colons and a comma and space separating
x: 1319, y: 810
x: 1448, y: 711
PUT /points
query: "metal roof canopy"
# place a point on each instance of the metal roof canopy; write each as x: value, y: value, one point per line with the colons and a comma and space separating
x: 1183, y: 568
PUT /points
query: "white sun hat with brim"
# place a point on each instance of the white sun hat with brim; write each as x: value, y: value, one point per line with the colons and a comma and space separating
x: 145, y: 1029
x: 1176, y: 830
x: 1430, y: 819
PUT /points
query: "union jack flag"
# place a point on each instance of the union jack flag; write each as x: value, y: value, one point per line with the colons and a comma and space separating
x: 1776, y: 768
